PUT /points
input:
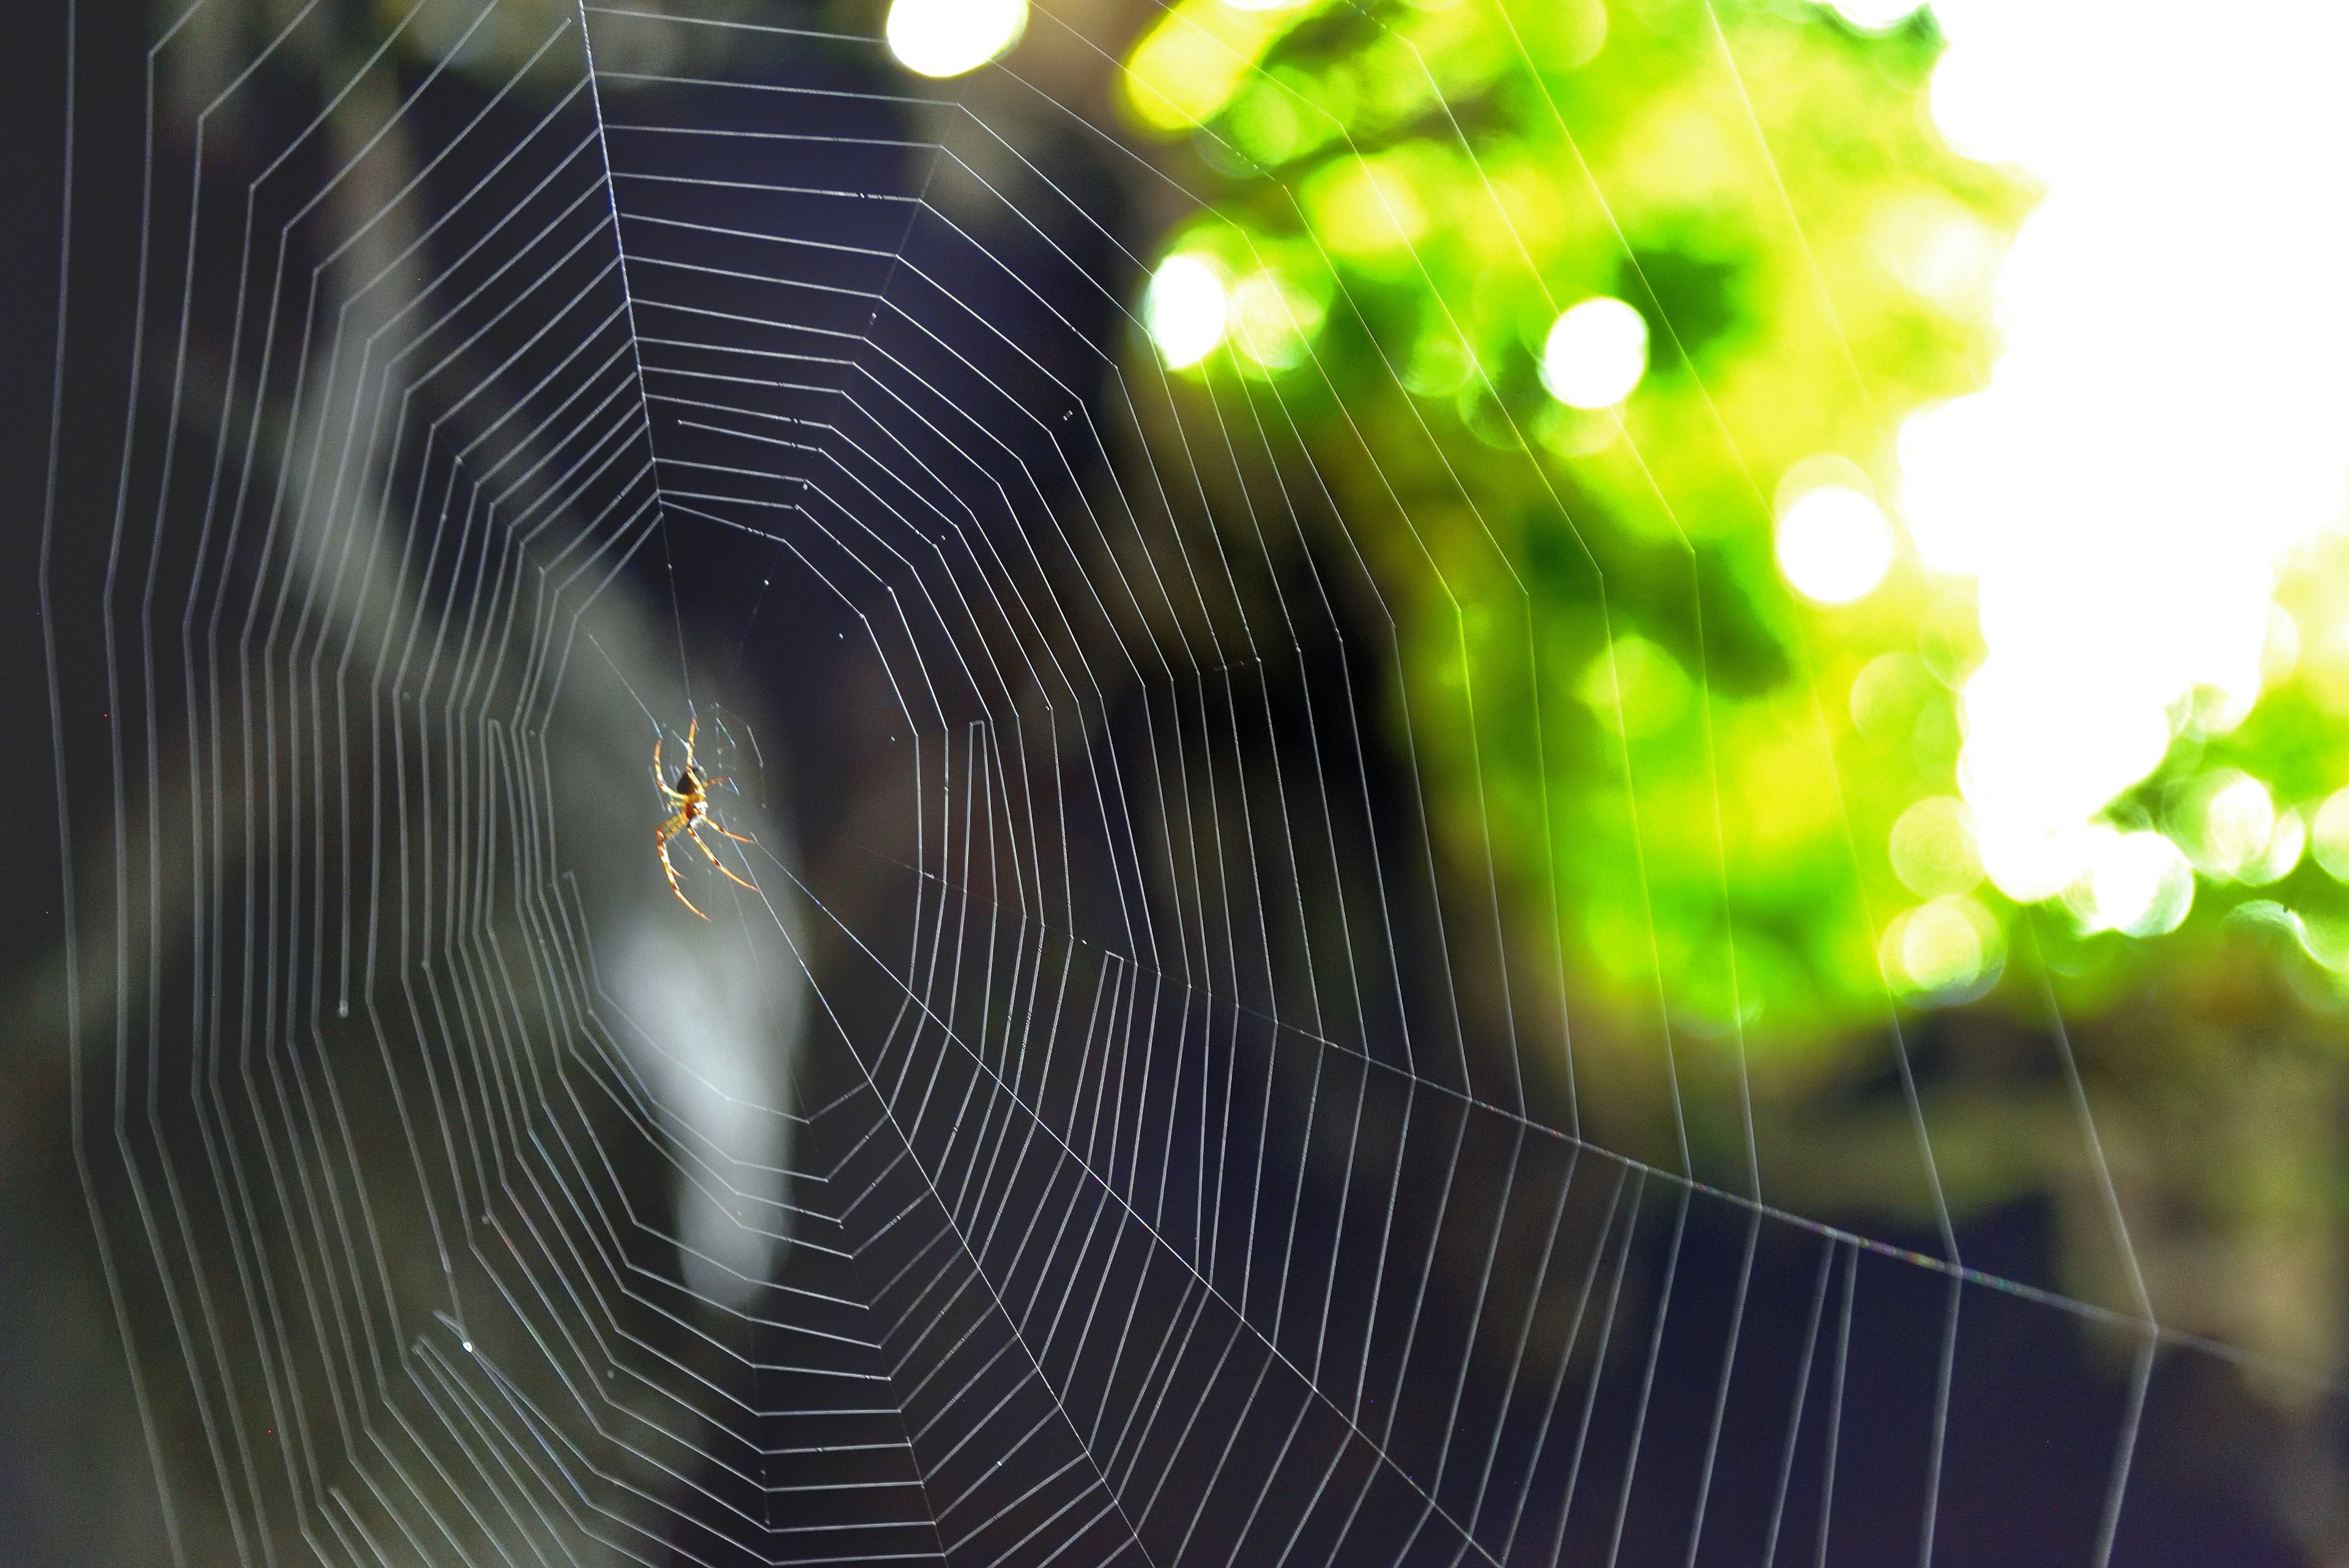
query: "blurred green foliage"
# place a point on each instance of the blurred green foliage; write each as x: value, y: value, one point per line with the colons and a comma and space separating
x: 1605, y: 676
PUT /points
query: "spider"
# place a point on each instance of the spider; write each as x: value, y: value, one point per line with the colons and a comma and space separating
x: 690, y: 795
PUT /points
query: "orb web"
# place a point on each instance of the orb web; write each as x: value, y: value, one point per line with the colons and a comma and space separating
x: 1091, y: 1130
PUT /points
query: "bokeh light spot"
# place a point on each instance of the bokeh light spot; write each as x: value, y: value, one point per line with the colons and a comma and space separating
x: 1439, y: 364
x: 1273, y: 323
x: 1367, y: 210
x: 1834, y: 545
x: 2328, y: 836
x: 1635, y: 687
x: 1942, y: 951
x: 2138, y: 883
x: 948, y: 37
x: 1889, y: 692
x: 2228, y: 825
x: 1595, y: 353
x: 1186, y: 310
x: 1191, y: 62
x: 2286, y: 844
x: 1932, y: 848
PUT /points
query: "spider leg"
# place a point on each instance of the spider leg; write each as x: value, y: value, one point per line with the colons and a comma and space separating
x: 660, y: 778
x: 693, y: 831
x: 704, y: 819
x: 667, y: 831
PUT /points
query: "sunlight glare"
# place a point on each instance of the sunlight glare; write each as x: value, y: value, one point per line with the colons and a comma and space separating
x: 2158, y: 432
x: 949, y: 38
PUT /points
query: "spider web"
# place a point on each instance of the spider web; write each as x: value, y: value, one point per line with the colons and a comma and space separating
x: 1102, y: 1135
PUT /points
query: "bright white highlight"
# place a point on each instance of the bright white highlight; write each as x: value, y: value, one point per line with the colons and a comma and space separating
x: 1185, y: 310
x: 1834, y: 546
x: 948, y: 37
x: 2161, y: 427
x: 2138, y: 883
x: 1595, y: 353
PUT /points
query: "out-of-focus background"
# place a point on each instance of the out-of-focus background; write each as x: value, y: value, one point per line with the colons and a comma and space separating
x: 1693, y: 642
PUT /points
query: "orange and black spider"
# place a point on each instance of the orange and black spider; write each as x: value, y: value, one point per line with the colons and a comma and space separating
x: 690, y: 795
